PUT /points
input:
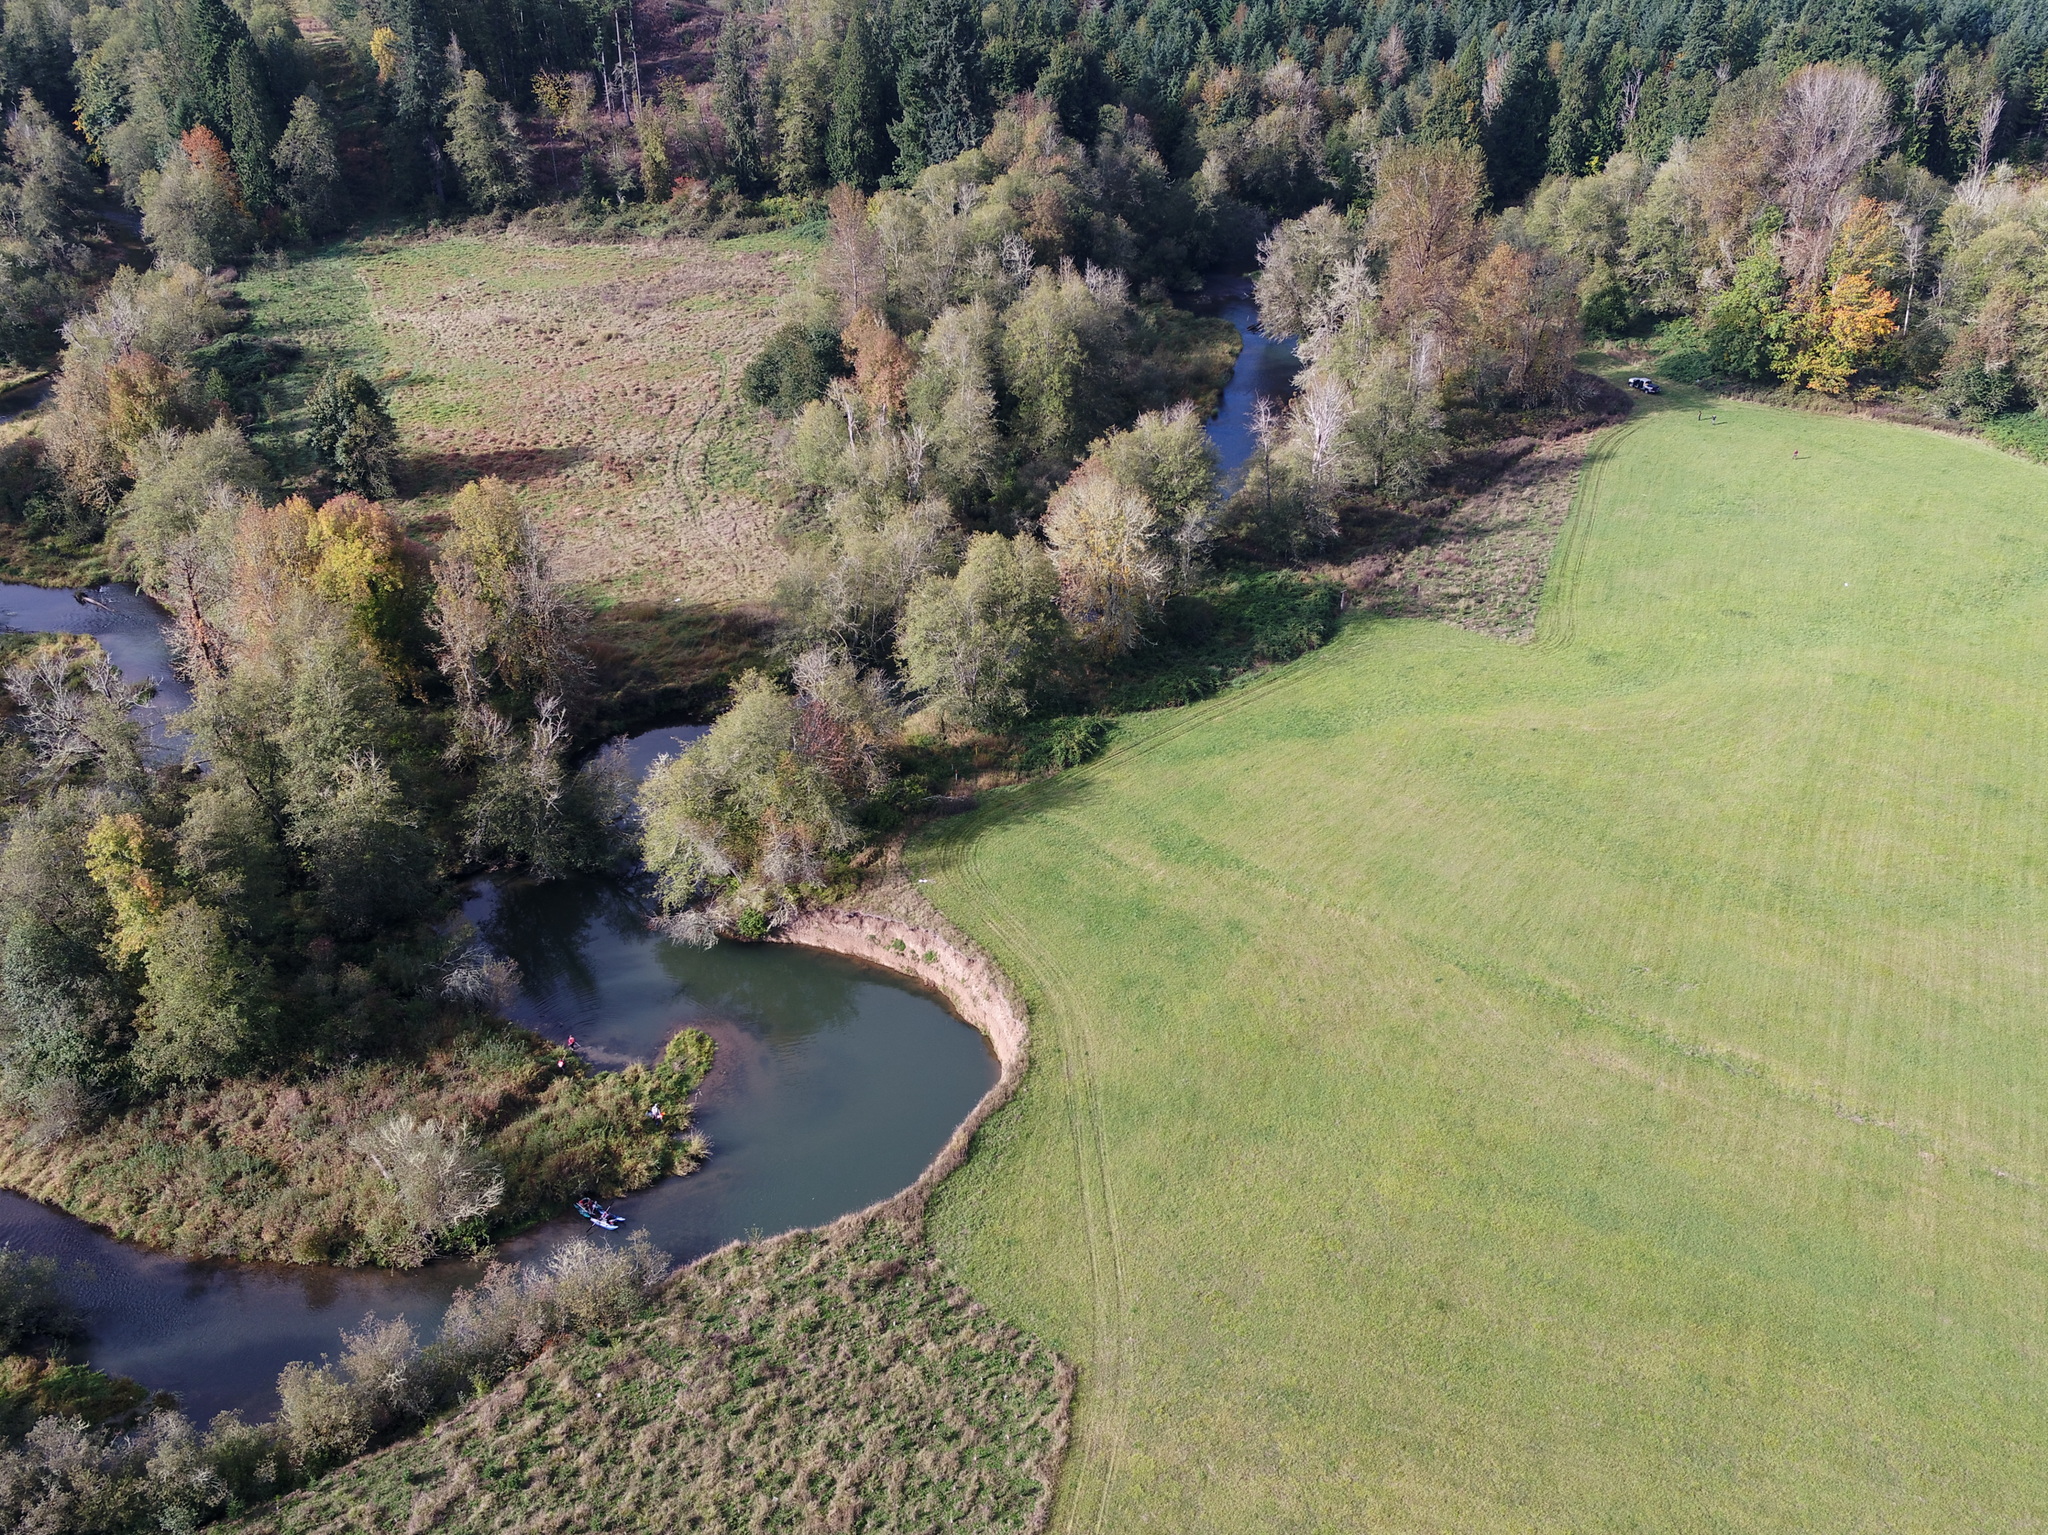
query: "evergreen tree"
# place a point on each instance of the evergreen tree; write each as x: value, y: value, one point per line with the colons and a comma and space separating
x: 1453, y: 113
x: 734, y: 98
x: 309, y: 168
x: 939, y: 85
x: 353, y: 433
x: 483, y: 141
x: 412, y: 91
x: 1577, y: 132
x: 206, y: 34
x: 1517, y: 130
x: 250, y: 130
x: 855, y: 152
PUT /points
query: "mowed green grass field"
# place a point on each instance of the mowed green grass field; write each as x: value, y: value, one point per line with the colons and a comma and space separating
x: 1597, y: 1085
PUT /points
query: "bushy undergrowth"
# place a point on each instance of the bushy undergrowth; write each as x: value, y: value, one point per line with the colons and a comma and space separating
x: 34, y: 1387
x: 1063, y: 743
x: 66, y: 1478
x: 1221, y: 629
x: 2022, y: 432
x: 832, y: 1381
x: 268, y: 1170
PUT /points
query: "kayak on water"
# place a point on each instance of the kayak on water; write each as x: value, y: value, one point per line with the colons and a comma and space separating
x: 597, y: 1214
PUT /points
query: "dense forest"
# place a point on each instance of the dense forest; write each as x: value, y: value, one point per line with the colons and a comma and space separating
x: 1199, y: 124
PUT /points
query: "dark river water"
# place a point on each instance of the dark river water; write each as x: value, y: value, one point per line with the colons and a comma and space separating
x: 835, y: 1084
x: 1265, y: 370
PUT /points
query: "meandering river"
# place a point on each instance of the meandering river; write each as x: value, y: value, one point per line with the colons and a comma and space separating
x: 834, y: 1086
x: 835, y: 1083
x: 1264, y: 370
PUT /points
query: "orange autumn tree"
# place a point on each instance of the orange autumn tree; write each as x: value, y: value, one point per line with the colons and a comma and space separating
x: 882, y: 364
x: 209, y: 156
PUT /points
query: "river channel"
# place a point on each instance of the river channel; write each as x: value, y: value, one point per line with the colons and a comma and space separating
x: 835, y: 1085
x: 1265, y: 370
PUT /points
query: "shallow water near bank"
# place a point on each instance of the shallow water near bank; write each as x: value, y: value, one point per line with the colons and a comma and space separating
x: 129, y: 627
x: 835, y: 1082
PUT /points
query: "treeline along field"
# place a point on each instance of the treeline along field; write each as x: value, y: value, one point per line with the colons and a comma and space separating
x: 1585, y: 1085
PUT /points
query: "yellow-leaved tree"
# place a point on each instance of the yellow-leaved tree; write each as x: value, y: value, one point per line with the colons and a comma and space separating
x: 1836, y: 332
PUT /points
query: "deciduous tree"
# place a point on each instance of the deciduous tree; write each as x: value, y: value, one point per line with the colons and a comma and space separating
x: 975, y: 646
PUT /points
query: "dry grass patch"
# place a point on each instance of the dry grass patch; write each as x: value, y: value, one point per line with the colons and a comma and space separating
x: 1481, y: 563
x: 821, y: 1381
x: 599, y: 378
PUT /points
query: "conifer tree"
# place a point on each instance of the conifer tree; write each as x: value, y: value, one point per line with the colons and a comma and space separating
x: 733, y: 96
x: 309, y: 169
x: 207, y: 32
x: 939, y: 84
x: 1580, y: 131
x: 412, y: 87
x: 1453, y: 113
x: 1518, y: 109
x: 250, y: 131
x: 855, y: 151
x: 484, y: 143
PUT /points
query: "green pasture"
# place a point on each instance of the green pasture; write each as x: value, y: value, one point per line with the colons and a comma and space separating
x: 1599, y: 1085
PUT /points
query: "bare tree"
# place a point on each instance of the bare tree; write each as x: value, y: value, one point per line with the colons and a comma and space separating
x: 1831, y: 123
x: 463, y: 620
x: 1631, y: 98
x: 439, y: 1173
x: 68, y: 719
x: 1317, y: 418
x: 1494, y: 89
x: 854, y: 268
x: 1266, y: 428
x: 1925, y: 87
x: 190, y: 587
x: 1987, y: 131
x: 1913, y: 251
x: 1394, y: 55
x: 480, y: 978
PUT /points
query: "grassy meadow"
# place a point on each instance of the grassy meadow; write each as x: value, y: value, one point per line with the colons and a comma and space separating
x: 601, y: 378
x: 1597, y: 1084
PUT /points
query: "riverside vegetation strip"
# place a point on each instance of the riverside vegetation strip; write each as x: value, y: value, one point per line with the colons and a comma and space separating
x: 262, y: 1169
x: 1493, y: 1086
x: 819, y: 1381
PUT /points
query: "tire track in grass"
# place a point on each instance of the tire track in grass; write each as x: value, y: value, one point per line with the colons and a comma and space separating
x: 1557, y: 608
x: 1079, y: 1072
x: 1107, y: 1430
